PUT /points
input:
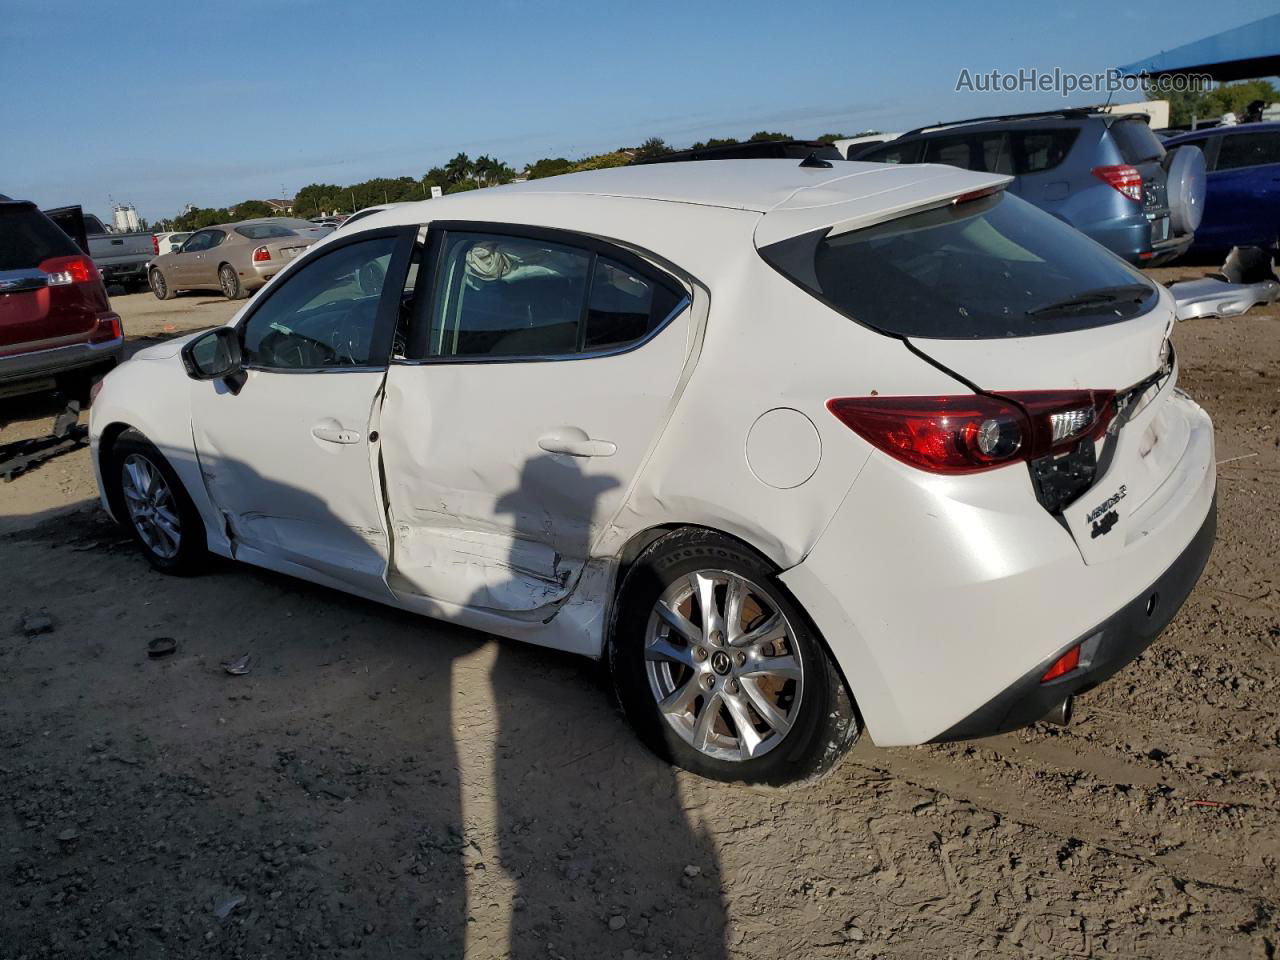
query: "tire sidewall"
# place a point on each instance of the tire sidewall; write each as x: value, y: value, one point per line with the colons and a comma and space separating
x: 167, y: 293
x: 825, y: 725
x: 192, y: 547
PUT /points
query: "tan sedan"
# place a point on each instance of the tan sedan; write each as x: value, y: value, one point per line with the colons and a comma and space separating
x: 236, y: 258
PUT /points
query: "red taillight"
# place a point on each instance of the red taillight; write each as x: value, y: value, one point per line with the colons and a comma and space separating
x: 940, y: 434
x: 65, y: 270
x: 1063, y: 665
x: 155, y: 244
x: 261, y: 255
x: 1123, y: 177
x: 969, y: 433
x: 976, y: 195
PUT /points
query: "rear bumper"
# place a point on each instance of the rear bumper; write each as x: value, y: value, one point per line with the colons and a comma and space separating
x: 1105, y: 649
x: 116, y: 272
x: 46, y: 363
x: 1168, y: 250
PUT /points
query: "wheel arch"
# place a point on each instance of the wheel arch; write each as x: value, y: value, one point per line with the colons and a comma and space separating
x: 642, y: 540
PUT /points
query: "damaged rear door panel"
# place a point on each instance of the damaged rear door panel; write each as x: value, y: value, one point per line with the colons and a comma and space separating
x: 499, y: 475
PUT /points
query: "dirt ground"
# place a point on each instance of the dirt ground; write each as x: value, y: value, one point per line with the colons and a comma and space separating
x: 386, y: 786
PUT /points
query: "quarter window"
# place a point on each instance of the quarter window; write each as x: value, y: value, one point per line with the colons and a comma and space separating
x: 505, y: 296
x: 323, y: 315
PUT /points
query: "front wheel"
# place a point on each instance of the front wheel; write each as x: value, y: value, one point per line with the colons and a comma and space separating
x: 720, y: 671
x: 149, y: 499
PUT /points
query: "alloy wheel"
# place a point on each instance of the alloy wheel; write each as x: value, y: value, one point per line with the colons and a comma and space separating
x: 723, y: 665
x: 230, y: 285
x: 151, y: 506
x: 158, y: 284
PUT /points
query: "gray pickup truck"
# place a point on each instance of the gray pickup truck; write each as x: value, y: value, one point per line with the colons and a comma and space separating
x: 122, y: 257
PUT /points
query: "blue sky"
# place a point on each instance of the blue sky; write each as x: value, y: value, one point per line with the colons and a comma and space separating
x: 216, y: 102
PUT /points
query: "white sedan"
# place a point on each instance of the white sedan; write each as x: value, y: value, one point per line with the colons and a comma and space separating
x: 799, y: 449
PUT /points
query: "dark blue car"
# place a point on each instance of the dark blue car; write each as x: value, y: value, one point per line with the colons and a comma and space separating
x: 1242, y: 202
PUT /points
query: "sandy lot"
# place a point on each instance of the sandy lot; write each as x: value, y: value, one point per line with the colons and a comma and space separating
x: 380, y: 785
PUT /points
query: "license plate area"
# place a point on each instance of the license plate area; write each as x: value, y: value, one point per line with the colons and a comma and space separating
x: 1159, y: 229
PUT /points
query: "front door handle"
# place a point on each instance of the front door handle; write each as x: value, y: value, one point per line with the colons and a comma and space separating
x: 331, y: 431
x: 574, y: 442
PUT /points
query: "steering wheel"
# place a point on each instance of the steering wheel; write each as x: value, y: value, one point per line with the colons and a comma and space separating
x: 371, y: 277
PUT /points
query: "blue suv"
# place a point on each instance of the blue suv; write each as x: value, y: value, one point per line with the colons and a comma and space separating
x: 1105, y: 174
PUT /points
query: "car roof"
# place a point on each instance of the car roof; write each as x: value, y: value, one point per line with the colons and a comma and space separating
x: 1268, y: 127
x: 652, y: 205
x: 759, y: 186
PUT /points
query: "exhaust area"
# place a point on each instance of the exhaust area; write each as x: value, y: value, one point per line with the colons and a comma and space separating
x: 1060, y: 714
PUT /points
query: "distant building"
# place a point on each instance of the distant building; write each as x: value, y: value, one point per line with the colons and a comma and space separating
x: 125, y: 217
x: 280, y: 206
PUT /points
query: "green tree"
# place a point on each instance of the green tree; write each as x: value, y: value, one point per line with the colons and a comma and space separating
x: 1186, y: 106
x: 548, y: 167
x: 602, y: 161
x: 760, y: 135
x: 252, y: 208
x: 652, y: 148
x: 459, y: 169
x: 715, y: 142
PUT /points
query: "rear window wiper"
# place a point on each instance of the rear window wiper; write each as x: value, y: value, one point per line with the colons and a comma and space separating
x: 1099, y: 297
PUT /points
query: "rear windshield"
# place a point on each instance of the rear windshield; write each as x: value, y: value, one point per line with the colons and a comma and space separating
x: 988, y: 268
x: 264, y: 231
x: 1136, y: 141
x: 28, y: 237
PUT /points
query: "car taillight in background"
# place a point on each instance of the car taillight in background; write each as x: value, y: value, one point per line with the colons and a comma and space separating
x: 975, y: 432
x: 1123, y: 177
x: 155, y: 244
x: 63, y: 271
x: 261, y: 255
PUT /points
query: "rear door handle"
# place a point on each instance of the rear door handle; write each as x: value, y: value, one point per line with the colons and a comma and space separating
x: 574, y: 442
x: 331, y: 431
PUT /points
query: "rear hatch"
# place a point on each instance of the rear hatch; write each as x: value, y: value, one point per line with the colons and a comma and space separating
x: 41, y: 272
x: 1142, y: 150
x: 1064, y: 338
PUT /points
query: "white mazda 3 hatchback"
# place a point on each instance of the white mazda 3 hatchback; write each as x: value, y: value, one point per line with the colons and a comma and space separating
x: 798, y: 448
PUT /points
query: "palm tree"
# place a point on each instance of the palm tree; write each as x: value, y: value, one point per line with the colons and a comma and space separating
x: 459, y: 168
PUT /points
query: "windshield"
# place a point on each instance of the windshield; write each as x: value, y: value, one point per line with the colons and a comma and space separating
x: 264, y: 231
x: 991, y: 267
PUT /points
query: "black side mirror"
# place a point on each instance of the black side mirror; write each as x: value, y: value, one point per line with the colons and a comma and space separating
x: 214, y: 355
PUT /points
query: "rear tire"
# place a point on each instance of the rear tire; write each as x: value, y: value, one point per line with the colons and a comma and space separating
x: 744, y: 693
x: 160, y: 286
x: 149, y: 500
x: 230, y: 283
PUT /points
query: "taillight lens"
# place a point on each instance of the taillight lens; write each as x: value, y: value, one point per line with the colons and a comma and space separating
x: 1123, y: 177
x: 962, y: 434
x: 68, y: 270
x: 974, y: 432
x: 155, y: 244
x: 261, y: 255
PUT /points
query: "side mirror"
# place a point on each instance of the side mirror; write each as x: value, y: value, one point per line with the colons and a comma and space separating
x: 214, y: 355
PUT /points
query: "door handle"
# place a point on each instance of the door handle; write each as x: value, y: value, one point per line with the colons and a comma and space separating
x: 574, y: 442
x: 331, y: 431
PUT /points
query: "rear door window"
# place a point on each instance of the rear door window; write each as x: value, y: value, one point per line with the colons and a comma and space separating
x: 1248, y: 150
x: 498, y: 296
x: 28, y: 237
x: 992, y: 267
x: 1036, y: 151
x: 984, y: 152
x: 1136, y: 141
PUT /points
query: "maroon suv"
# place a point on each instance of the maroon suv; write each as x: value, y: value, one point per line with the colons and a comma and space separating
x: 57, y: 328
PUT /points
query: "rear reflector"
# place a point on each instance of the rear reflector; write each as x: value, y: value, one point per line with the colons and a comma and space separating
x: 977, y: 194
x: 1123, y: 177
x: 108, y: 329
x: 1063, y: 665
